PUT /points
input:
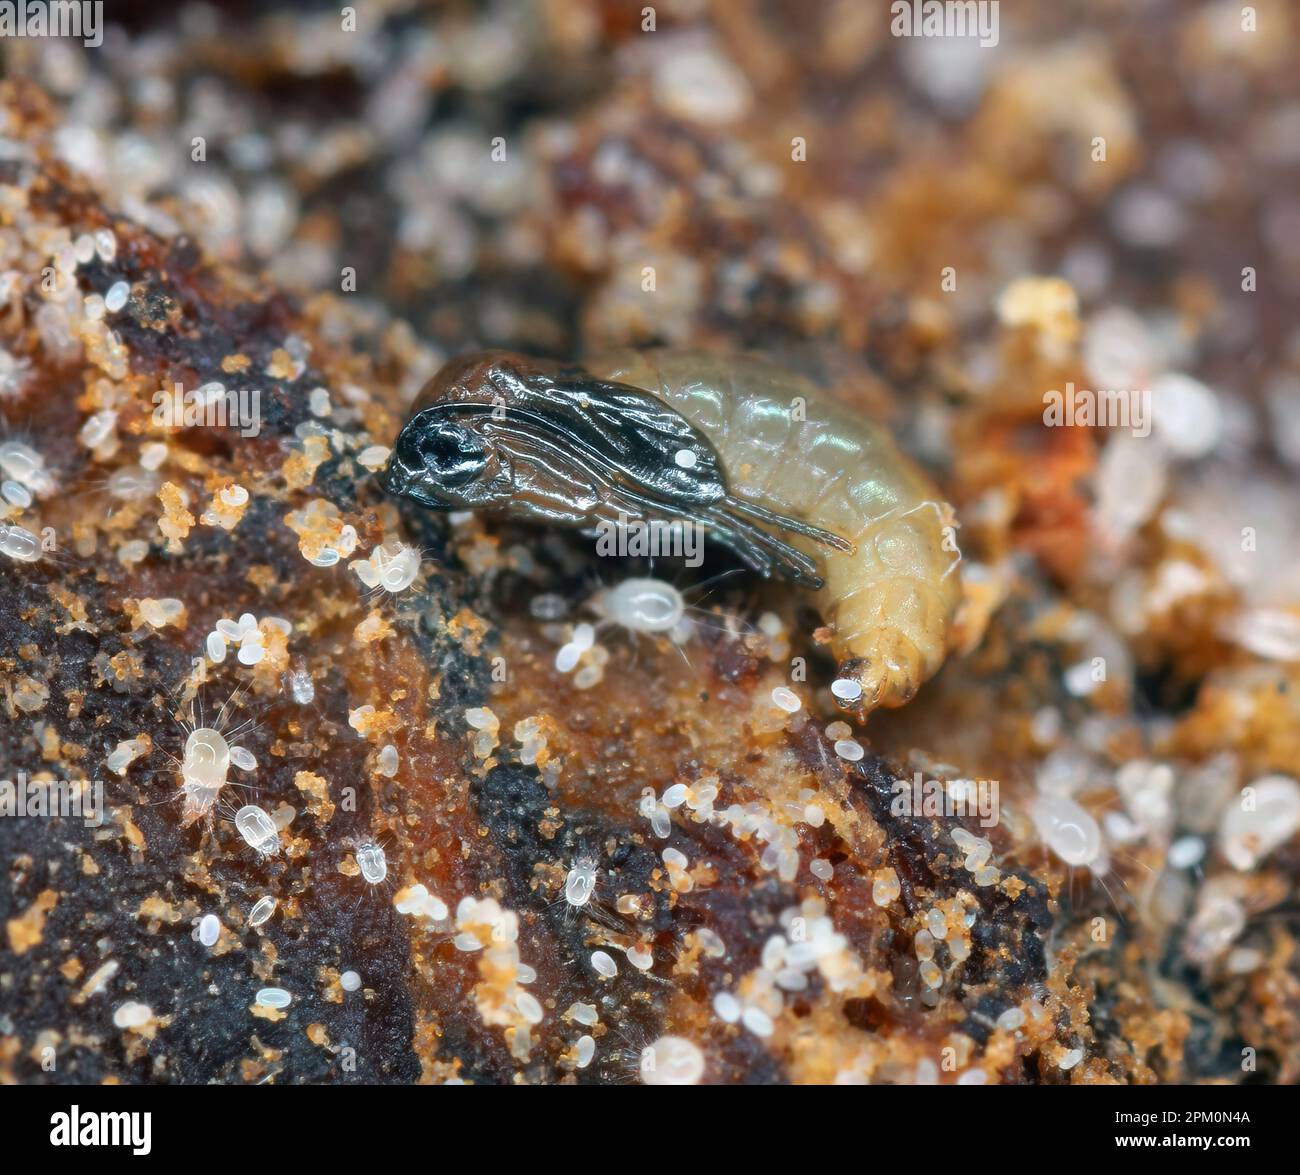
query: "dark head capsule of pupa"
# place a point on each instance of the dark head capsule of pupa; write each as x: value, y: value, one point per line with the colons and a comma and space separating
x: 442, y: 462
x: 505, y: 431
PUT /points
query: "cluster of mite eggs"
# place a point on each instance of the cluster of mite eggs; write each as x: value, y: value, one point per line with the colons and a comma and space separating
x: 23, y: 480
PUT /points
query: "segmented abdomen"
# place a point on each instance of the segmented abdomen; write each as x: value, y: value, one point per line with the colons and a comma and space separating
x: 889, y: 603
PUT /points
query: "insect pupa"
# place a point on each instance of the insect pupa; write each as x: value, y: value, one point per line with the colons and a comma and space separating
x: 823, y: 497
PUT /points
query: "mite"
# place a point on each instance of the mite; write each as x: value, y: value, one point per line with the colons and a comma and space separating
x: 795, y: 484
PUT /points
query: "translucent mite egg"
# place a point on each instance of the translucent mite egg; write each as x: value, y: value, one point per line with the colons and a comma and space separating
x: 20, y: 544
x: 786, y: 699
x: 672, y: 1060
x: 529, y: 1007
x: 1068, y: 830
x: 258, y: 829
x: 548, y: 606
x: 105, y: 244
x: 274, y: 997
x: 260, y: 912
x: 1218, y: 920
x: 584, y: 1013
x: 209, y: 930
x: 643, y: 605
x: 26, y: 466
x: 727, y: 1007
x: 1010, y: 1020
x: 117, y: 296
x: 849, y: 750
x: 126, y: 753
x: 372, y: 862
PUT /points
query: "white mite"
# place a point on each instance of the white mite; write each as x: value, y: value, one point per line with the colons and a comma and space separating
x: 392, y: 566
x: 20, y: 544
x: 672, y: 1060
x: 203, y: 772
x: 580, y: 883
x: 301, y: 686
x: 1070, y: 831
x: 258, y: 829
x: 372, y: 862
x: 642, y: 605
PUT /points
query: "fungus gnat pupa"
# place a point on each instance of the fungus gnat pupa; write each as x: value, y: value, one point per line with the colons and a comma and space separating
x: 657, y: 436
